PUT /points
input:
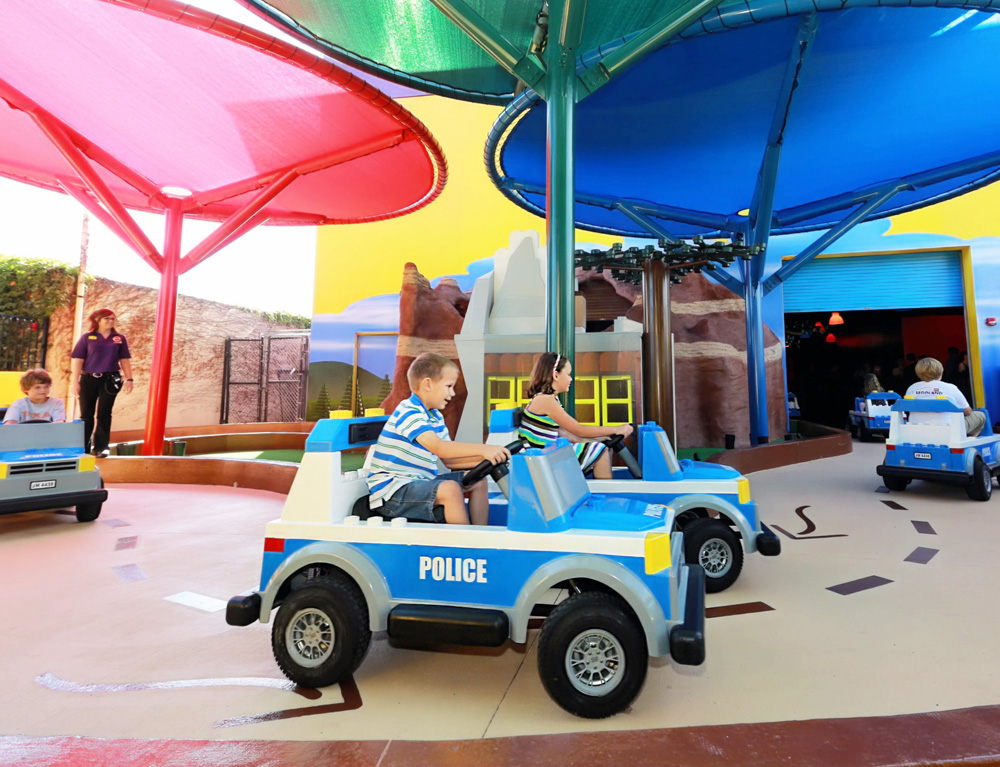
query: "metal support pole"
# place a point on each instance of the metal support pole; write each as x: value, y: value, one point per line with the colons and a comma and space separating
x: 657, y: 348
x: 560, y: 332
x: 163, y: 340
x: 756, y: 367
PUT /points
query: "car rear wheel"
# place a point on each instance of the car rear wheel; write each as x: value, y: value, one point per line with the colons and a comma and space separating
x: 712, y: 544
x: 88, y: 512
x: 321, y: 633
x: 982, y: 481
x: 592, y: 655
x: 896, y: 483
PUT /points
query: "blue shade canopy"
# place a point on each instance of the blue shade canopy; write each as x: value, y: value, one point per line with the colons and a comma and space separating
x: 855, y: 99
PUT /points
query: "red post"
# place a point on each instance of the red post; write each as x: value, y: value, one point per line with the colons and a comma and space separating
x: 163, y: 341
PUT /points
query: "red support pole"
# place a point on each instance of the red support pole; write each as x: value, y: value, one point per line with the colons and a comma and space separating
x: 163, y: 341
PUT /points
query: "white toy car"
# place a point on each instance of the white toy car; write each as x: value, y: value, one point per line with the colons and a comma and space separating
x: 44, y: 466
x: 939, y: 452
x: 712, y: 502
x: 870, y: 416
x: 337, y: 572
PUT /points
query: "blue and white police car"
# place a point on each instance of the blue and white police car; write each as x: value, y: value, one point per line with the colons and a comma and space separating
x: 712, y: 502
x: 937, y: 448
x: 44, y: 466
x: 336, y: 572
x: 871, y: 415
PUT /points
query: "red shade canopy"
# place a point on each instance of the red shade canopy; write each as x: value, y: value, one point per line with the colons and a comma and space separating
x: 206, y: 105
x: 158, y: 106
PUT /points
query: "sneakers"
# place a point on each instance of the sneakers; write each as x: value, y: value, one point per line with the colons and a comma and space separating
x: 102, y: 453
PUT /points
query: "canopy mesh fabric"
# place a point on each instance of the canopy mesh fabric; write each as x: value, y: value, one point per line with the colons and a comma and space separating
x: 412, y: 42
x: 168, y: 95
x: 884, y: 94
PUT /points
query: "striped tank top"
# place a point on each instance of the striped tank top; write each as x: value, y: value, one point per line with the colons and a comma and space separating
x: 542, y: 431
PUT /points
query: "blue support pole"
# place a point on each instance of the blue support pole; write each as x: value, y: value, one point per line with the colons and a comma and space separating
x: 649, y: 225
x: 825, y: 240
x: 759, y: 230
x: 756, y: 370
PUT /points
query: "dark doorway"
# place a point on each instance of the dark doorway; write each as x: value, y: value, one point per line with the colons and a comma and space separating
x: 827, y: 364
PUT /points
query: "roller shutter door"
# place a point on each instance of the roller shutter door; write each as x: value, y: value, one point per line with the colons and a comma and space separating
x: 883, y: 281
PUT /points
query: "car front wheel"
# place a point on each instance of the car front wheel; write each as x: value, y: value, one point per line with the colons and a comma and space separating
x: 712, y: 544
x: 321, y: 633
x: 592, y: 655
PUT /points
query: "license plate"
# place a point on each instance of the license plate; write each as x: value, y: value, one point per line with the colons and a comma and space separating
x: 42, y: 484
x: 925, y: 456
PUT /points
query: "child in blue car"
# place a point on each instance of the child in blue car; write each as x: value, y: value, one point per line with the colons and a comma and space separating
x: 930, y: 386
x: 403, y: 480
x: 37, y: 405
x: 543, y: 420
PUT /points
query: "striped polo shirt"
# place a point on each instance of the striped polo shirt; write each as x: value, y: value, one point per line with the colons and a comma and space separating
x: 398, y: 457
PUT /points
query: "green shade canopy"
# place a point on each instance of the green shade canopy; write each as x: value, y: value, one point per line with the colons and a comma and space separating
x: 413, y: 43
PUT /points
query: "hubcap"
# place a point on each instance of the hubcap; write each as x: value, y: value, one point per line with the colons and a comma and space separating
x: 310, y: 637
x: 715, y: 557
x: 595, y: 662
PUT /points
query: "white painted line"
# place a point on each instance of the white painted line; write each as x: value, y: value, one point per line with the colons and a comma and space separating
x: 198, y: 601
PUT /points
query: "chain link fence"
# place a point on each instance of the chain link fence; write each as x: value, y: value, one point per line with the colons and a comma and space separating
x: 264, y: 378
x: 22, y: 342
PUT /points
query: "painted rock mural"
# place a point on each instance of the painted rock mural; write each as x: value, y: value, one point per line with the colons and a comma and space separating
x: 709, y: 352
x: 429, y: 320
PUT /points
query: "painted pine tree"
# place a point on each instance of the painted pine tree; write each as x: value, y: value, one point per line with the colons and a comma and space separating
x: 323, y: 405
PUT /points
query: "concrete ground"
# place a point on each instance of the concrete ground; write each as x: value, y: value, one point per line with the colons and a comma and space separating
x: 881, y: 610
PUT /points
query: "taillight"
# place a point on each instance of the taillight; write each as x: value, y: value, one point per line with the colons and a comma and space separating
x: 274, y: 544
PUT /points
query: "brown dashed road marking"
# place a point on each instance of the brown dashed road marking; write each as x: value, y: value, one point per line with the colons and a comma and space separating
x: 129, y: 573
x: 128, y: 542
x: 740, y: 609
x: 921, y: 555
x: 862, y: 584
x: 894, y: 505
x: 348, y: 688
x: 923, y: 527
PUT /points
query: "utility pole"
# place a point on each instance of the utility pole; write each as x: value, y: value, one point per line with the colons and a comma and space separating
x: 81, y: 289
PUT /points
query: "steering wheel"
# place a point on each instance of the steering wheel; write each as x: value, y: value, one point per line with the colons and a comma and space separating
x: 34, y: 420
x: 484, y: 468
x: 617, y: 443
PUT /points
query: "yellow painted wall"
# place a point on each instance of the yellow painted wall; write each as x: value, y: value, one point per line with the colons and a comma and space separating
x: 469, y: 221
x: 971, y: 215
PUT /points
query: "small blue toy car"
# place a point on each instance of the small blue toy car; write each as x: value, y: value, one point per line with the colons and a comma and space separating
x: 712, y: 502
x: 44, y: 466
x: 336, y: 572
x: 918, y: 448
x: 871, y: 415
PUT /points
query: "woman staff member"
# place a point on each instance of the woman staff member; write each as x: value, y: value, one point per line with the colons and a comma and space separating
x: 96, y: 360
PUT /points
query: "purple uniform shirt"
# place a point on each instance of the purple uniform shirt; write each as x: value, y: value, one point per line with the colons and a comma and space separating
x: 100, y: 354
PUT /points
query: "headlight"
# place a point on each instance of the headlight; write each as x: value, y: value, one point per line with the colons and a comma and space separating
x: 87, y: 463
x: 3, y: 471
x: 744, y: 488
x: 657, y: 552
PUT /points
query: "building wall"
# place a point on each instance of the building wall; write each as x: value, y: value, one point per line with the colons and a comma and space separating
x: 201, y: 330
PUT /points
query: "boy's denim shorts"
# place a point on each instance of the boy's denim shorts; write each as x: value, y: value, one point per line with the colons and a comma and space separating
x: 415, y: 500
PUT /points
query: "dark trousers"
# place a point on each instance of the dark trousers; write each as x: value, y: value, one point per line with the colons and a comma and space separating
x: 93, y: 393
